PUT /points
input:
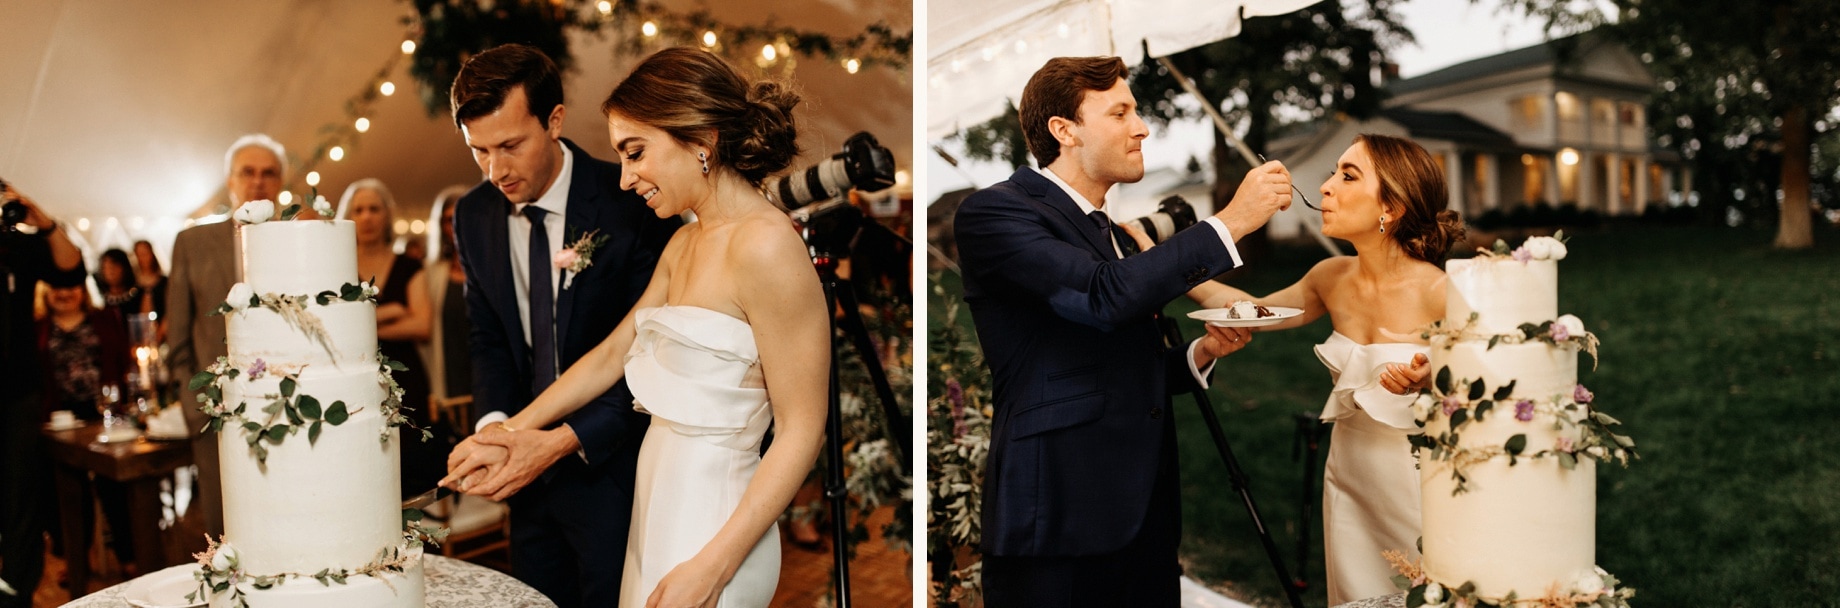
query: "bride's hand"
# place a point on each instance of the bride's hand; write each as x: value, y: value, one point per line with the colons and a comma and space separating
x: 696, y: 583
x: 1137, y: 235
x: 1400, y: 378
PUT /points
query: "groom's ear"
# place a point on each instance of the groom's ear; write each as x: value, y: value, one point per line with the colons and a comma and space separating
x: 1062, y: 130
x: 555, y: 121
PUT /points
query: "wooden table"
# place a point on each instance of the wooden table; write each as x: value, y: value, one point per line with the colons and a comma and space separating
x: 139, y: 464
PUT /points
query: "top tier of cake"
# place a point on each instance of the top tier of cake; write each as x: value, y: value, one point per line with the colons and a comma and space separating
x: 300, y: 257
x: 1503, y: 292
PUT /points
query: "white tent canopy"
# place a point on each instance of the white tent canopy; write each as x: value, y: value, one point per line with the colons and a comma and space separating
x: 989, y: 49
x: 123, y: 110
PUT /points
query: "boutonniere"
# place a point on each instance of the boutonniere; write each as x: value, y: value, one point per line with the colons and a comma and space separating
x: 579, y: 254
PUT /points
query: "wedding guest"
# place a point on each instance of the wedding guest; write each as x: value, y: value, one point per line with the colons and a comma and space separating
x: 402, y: 321
x: 206, y: 262
x: 86, y: 349
x: 730, y: 337
x: 150, y: 278
x: 1388, y: 199
x: 533, y: 320
x: 26, y: 258
x: 122, y: 295
x: 450, y: 372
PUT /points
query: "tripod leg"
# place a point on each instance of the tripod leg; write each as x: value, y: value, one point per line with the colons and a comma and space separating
x: 834, y: 489
x: 1173, y: 336
x: 897, y: 424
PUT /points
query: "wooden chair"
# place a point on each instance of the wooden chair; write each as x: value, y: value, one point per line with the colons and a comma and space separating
x: 475, y: 526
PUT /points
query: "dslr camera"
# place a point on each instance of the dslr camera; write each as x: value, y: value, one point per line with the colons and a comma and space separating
x: 1172, y: 215
x: 863, y: 164
x: 12, y: 212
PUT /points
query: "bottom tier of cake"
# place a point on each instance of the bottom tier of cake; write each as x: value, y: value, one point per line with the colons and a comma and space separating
x: 405, y: 589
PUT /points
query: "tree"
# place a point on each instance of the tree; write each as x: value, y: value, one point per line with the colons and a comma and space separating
x: 1280, y: 70
x: 1743, y: 91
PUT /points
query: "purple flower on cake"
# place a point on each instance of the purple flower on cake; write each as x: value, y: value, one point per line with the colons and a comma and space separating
x: 1559, y: 332
x: 1451, y: 403
x: 1522, y: 255
x: 256, y: 369
x: 1582, y: 394
x: 1523, y: 410
x: 1570, y: 324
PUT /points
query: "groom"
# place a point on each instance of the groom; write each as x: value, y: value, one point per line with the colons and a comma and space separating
x: 570, y: 488
x: 1081, y: 495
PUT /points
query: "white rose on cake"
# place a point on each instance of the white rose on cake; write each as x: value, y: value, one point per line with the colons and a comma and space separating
x: 1571, y: 325
x: 240, y: 294
x: 224, y: 559
x: 322, y: 206
x: 255, y: 212
x: 1544, y: 248
x: 1589, y: 582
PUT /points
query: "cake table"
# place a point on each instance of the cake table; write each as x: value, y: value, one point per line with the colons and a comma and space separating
x: 451, y: 584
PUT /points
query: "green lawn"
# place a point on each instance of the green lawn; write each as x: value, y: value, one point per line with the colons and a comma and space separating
x: 1722, y: 359
x: 1720, y: 355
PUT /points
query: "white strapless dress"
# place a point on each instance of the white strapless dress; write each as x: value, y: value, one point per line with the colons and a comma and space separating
x: 1370, y: 483
x: 697, y: 372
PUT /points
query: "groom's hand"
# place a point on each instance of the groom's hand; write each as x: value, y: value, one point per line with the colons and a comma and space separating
x: 531, y: 452
x: 472, y: 461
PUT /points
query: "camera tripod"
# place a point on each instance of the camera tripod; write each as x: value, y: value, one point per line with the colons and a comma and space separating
x: 839, y: 293
x: 1172, y: 338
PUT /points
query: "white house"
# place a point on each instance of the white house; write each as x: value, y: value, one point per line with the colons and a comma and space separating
x: 1561, y: 123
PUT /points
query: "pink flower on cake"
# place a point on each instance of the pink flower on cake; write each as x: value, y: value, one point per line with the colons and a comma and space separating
x: 1522, y: 255
x: 1523, y: 410
x: 1564, y: 444
x: 1582, y: 394
x: 1559, y: 332
x: 256, y: 369
x: 1451, y: 403
x: 1572, y: 325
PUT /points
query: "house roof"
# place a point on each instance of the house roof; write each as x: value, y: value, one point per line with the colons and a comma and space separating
x: 1449, y: 126
x: 1547, y: 53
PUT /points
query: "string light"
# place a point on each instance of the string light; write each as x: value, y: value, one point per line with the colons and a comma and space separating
x: 408, y: 47
x: 337, y: 153
x: 605, y: 7
x: 418, y: 226
x: 709, y: 38
x: 387, y: 88
x: 649, y: 29
x: 286, y: 198
x: 83, y: 224
x: 402, y: 226
x: 768, y: 52
x: 313, y: 178
x: 137, y: 223
x: 852, y: 65
x: 363, y: 125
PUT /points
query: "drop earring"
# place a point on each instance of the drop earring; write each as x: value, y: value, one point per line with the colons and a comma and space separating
x: 1382, y: 224
x: 704, y: 156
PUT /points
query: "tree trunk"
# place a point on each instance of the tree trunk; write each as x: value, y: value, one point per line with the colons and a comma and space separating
x: 1796, y: 230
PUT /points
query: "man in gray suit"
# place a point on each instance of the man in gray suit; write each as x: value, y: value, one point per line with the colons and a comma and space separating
x: 205, y: 264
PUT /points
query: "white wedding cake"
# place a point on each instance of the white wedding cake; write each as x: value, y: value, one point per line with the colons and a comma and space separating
x: 1510, y: 442
x: 307, y: 417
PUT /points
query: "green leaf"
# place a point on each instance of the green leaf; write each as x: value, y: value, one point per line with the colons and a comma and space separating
x: 200, y: 380
x: 337, y: 414
x: 274, y: 407
x: 1443, y: 380
x: 1623, y: 440
x: 326, y: 297
x: 252, y: 427
x: 288, y: 212
x: 1483, y: 408
x: 351, y: 292
x: 1468, y: 589
x: 309, y: 406
x: 1568, y: 461
x: 277, y: 433
x: 1501, y: 247
x: 255, y: 300
x: 1516, y: 443
x: 1477, y: 389
x: 1492, y: 341
x: 1415, y: 597
x: 287, y: 387
x: 313, y: 432
x: 293, y: 416
x: 395, y: 366
x: 1400, y: 581
x: 261, y: 453
x: 1503, y: 392
x: 1604, y: 418
x: 1458, y: 418
x: 409, y: 515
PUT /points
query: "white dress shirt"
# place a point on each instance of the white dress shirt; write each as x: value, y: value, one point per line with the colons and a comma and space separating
x: 1226, y: 238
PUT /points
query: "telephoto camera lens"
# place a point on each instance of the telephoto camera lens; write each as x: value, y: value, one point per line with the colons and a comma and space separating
x: 12, y: 212
x: 863, y: 164
x: 1172, y: 215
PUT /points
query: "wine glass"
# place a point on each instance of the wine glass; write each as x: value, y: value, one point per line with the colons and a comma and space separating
x: 108, y: 396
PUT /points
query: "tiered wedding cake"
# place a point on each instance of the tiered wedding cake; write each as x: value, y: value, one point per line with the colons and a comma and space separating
x: 307, y: 415
x: 1510, y: 441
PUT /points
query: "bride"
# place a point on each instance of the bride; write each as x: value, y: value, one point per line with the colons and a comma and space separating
x: 1386, y: 197
x: 730, y: 337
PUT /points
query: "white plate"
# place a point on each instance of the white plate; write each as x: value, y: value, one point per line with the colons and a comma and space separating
x: 49, y: 426
x: 164, y: 589
x: 1218, y: 317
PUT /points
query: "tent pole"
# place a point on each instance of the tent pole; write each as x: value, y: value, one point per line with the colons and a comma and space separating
x: 1226, y: 131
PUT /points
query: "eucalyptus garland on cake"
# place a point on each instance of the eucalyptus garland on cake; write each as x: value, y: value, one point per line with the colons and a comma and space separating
x: 221, y: 570
x: 1591, y: 589
x: 1463, y: 401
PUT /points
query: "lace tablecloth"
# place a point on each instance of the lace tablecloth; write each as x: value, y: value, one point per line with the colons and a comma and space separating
x: 1397, y: 600
x: 451, y: 584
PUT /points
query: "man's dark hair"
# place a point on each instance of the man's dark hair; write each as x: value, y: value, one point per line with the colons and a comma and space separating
x: 1057, y: 90
x: 487, y: 78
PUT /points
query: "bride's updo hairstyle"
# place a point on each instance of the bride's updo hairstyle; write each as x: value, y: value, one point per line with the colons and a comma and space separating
x: 699, y: 99
x: 1412, y: 186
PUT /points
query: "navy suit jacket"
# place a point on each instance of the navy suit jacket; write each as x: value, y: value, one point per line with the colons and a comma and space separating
x: 589, y: 308
x: 1080, y: 376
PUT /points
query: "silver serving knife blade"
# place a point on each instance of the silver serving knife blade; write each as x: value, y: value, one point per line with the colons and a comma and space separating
x: 421, y: 501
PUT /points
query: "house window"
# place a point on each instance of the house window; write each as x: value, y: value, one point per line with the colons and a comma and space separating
x: 1527, y: 115
x: 1571, y: 117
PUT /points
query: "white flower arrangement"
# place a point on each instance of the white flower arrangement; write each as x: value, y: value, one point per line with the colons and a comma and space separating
x: 255, y: 212
x: 322, y: 206
x: 241, y: 296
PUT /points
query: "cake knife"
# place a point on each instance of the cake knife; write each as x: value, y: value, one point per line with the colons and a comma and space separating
x: 421, y: 501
